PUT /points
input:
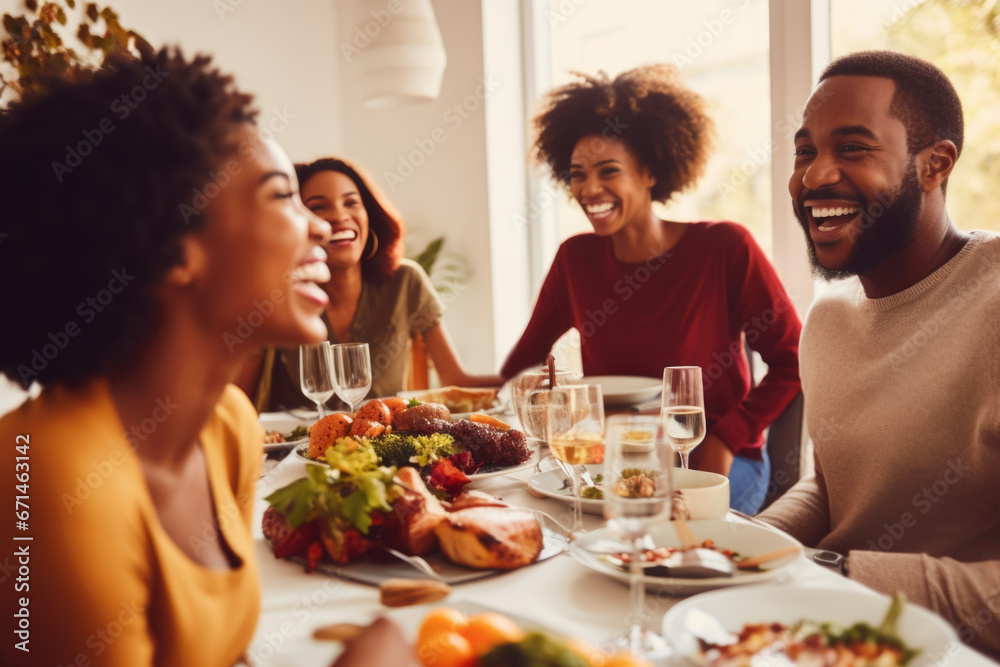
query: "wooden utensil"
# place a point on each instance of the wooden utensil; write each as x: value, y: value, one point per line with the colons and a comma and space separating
x: 754, y: 561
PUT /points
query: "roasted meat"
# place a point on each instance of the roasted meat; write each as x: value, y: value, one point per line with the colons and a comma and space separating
x: 410, y: 525
x: 490, y: 538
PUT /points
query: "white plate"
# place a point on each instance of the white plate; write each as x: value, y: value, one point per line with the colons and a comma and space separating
x: 282, y: 422
x: 496, y: 408
x: 301, y: 450
x: 746, y: 539
x: 918, y: 627
x: 625, y: 389
x: 703, y: 502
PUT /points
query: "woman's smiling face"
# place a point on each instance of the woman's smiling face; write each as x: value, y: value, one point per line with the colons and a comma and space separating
x: 610, y: 184
x: 334, y: 197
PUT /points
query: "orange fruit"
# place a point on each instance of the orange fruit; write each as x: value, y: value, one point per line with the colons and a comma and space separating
x: 489, y: 421
x: 486, y: 630
x: 627, y: 660
x: 446, y: 649
x: 440, y: 620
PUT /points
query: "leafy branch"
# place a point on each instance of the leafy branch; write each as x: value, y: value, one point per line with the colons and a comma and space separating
x: 35, y: 49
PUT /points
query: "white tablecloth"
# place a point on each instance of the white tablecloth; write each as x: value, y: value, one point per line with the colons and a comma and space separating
x: 558, y: 593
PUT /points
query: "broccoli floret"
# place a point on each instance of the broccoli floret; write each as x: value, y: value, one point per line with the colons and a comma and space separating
x: 394, y: 450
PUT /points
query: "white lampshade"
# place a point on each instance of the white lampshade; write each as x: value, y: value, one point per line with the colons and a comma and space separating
x: 405, y: 59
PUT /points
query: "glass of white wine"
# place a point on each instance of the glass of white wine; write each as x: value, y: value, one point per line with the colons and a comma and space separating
x: 353, y: 367
x: 637, y: 462
x: 316, y: 374
x: 683, y: 409
x: 571, y: 418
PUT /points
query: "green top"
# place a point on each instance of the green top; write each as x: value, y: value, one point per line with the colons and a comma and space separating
x: 389, y: 315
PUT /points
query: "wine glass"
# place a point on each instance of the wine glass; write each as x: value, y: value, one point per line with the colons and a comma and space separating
x: 316, y: 374
x: 528, y: 381
x: 683, y: 409
x: 571, y: 418
x: 353, y: 370
x: 637, y: 462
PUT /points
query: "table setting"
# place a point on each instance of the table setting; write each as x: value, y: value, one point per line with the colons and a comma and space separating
x: 612, y: 570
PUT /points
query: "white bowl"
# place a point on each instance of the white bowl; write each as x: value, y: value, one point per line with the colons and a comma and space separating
x: 706, y: 493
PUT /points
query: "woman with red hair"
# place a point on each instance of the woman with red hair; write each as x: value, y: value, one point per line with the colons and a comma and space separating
x: 376, y: 295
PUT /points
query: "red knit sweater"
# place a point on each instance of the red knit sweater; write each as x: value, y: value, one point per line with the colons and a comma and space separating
x: 685, y: 307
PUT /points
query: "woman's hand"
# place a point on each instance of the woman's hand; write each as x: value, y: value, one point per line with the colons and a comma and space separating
x: 712, y: 455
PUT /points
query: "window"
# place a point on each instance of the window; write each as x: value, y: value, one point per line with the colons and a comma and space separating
x: 721, y: 47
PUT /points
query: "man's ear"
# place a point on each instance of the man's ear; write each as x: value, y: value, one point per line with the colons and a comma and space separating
x: 936, y: 163
x: 191, y: 266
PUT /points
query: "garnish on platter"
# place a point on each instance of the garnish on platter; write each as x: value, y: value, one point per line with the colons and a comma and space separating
x: 410, y: 433
x: 356, y: 505
x: 816, y: 644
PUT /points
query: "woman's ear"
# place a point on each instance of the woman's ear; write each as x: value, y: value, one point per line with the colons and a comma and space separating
x: 191, y: 266
x: 936, y: 164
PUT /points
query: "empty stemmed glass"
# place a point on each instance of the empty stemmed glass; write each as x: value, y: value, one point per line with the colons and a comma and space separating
x: 353, y: 371
x: 637, y: 463
x: 316, y: 374
x: 571, y: 418
x: 683, y: 409
x: 527, y: 382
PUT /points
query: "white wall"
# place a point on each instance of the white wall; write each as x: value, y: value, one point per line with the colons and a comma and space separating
x: 439, y: 186
x: 284, y: 54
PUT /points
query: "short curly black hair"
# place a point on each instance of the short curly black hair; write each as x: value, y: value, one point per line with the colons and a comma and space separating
x: 665, y: 124
x: 925, y: 101
x: 383, y: 219
x: 105, y: 174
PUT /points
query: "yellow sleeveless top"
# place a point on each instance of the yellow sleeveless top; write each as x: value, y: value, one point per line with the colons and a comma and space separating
x: 105, y: 584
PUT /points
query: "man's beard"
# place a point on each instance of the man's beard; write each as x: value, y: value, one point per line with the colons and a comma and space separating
x: 882, y: 233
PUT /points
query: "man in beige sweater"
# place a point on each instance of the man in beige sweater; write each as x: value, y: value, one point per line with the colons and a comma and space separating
x: 900, y: 362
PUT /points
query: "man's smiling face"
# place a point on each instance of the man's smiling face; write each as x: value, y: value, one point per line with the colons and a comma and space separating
x: 854, y: 188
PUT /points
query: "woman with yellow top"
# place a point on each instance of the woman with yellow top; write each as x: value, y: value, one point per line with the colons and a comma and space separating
x: 134, y: 244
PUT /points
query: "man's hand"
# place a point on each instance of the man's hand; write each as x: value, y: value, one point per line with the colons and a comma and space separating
x: 712, y: 455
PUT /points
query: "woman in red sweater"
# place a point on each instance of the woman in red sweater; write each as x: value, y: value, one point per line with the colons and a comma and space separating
x: 647, y: 293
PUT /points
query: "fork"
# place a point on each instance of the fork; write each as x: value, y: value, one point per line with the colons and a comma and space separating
x: 417, y: 562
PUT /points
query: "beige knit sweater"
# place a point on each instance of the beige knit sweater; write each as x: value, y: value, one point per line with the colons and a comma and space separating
x: 903, y: 406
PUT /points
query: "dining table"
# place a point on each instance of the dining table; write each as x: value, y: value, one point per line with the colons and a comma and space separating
x: 559, y: 594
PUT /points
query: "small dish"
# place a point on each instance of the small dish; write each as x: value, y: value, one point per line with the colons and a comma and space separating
x: 706, y: 493
x: 284, y: 423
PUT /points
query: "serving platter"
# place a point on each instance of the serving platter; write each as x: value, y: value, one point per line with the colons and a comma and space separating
x: 555, y: 540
